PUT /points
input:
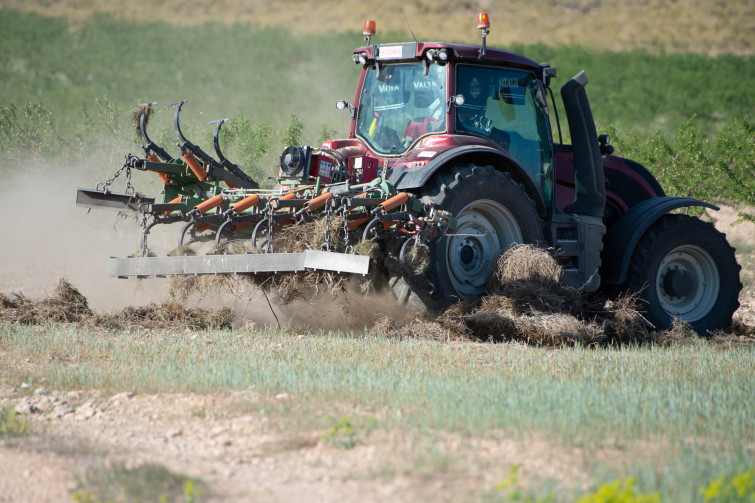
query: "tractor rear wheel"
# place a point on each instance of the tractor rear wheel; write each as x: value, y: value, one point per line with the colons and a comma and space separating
x: 683, y: 268
x: 493, y: 212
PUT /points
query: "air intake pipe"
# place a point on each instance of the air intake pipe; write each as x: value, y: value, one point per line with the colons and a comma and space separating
x: 590, y: 189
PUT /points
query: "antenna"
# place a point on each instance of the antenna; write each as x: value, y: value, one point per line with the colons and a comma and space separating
x: 408, y: 25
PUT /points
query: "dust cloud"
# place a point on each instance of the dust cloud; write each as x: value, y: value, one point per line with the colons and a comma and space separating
x: 47, y: 238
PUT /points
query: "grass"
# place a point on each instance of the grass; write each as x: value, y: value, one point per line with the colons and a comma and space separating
x: 146, y: 483
x: 84, y: 78
x: 688, y: 409
x: 12, y: 425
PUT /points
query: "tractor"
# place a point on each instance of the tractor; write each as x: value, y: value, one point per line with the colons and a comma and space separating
x: 455, y: 153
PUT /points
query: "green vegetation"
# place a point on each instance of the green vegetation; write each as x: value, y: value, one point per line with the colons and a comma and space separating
x: 691, y: 164
x: 346, y: 433
x: 739, y: 487
x: 680, y: 416
x: 67, y: 89
x: 146, y: 483
x: 12, y: 425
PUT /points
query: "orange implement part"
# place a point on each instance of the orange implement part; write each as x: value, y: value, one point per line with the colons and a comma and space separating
x: 353, y: 224
x: 195, y: 166
x: 211, y: 203
x: 243, y: 225
x: 172, y: 201
x: 163, y: 176
x: 395, y: 201
x: 319, y: 201
x: 246, y: 203
x: 274, y: 202
x: 360, y: 196
x: 279, y: 225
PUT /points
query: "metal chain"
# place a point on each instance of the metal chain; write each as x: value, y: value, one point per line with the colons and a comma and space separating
x: 269, y: 244
x: 326, y: 245
x: 127, y: 167
x: 347, y: 232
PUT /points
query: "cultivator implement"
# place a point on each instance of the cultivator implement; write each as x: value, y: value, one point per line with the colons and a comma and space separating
x: 215, y: 200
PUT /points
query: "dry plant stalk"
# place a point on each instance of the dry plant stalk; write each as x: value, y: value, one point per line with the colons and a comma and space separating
x: 68, y: 305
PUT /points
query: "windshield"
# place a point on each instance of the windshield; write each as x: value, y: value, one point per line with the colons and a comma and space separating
x: 401, y: 104
x: 507, y: 106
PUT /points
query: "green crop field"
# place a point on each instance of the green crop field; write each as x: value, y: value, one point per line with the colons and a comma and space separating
x: 84, y: 79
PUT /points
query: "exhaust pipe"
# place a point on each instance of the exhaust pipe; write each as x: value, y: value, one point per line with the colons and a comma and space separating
x: 590, y: 189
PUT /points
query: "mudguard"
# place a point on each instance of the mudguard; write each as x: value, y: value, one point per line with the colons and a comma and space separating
x: 404, y: 178
x: 622, y: 237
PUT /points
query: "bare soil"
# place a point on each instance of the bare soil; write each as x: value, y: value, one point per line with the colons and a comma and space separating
x: 240, y: 453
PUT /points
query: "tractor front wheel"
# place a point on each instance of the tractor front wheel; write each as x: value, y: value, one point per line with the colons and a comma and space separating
x: 493, y: 212
x: 683, y: 268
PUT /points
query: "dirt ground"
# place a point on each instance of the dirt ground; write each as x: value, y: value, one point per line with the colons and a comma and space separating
x: 241, y: 455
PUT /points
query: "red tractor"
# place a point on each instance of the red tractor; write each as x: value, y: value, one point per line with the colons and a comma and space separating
x: 470, y: 129
x: 452, y: 148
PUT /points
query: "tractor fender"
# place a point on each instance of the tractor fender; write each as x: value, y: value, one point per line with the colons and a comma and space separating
x: 404, y: 178
x: 622, y: 237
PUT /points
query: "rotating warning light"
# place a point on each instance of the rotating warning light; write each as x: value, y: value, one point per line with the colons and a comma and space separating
x: 483, y: 21
x: 369, y: 28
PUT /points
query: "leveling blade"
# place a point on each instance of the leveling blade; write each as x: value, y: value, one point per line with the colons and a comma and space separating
x: 249, y: 263
x: 88, y: 198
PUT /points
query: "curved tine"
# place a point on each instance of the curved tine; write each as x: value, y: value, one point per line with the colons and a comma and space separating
x: 143, y: 121
x: 143, y: 129
x: 180, y: 105
x: 215, y: 140
x: 148, y: 143
x: 219, y: 234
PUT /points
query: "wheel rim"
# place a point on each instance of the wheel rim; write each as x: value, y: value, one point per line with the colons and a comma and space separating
x: 687, y: 283
x: 484, y: 227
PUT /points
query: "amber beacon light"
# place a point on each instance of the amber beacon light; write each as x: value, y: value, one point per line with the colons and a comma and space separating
x: 369, y: 30
x: 483, y: 21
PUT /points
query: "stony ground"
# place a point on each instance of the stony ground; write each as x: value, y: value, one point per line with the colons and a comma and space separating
x: 241, y: 455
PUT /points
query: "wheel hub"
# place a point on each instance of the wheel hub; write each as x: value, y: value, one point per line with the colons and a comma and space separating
x: 678, y: 283
x: 687, y: 283
x: 469, y: 253
x: 484, y: 227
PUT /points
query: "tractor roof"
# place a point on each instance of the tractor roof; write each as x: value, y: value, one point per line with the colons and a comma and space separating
x: 415, y: 51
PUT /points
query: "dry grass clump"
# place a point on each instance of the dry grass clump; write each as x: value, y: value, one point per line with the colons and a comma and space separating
x: 288, y: 287
x: 527, y: 302
x: 530, y: 279
x: 68, y: 305
x: 182, y: 251
x: 310, y: 235
x: 421, y: 326
x: 136, y: 116
x: 169, y: 315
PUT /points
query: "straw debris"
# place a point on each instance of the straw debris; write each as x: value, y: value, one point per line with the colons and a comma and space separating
x: 527, y: 302
x: 136, y: 115
x: 68, y: 305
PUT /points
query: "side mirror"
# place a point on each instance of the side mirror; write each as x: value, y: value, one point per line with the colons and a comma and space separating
x: 457, y: 100
x: 343, y: 104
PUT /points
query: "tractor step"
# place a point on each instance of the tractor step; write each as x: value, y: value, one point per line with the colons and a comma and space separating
x: 249, y: 263
x: 89, y: 198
